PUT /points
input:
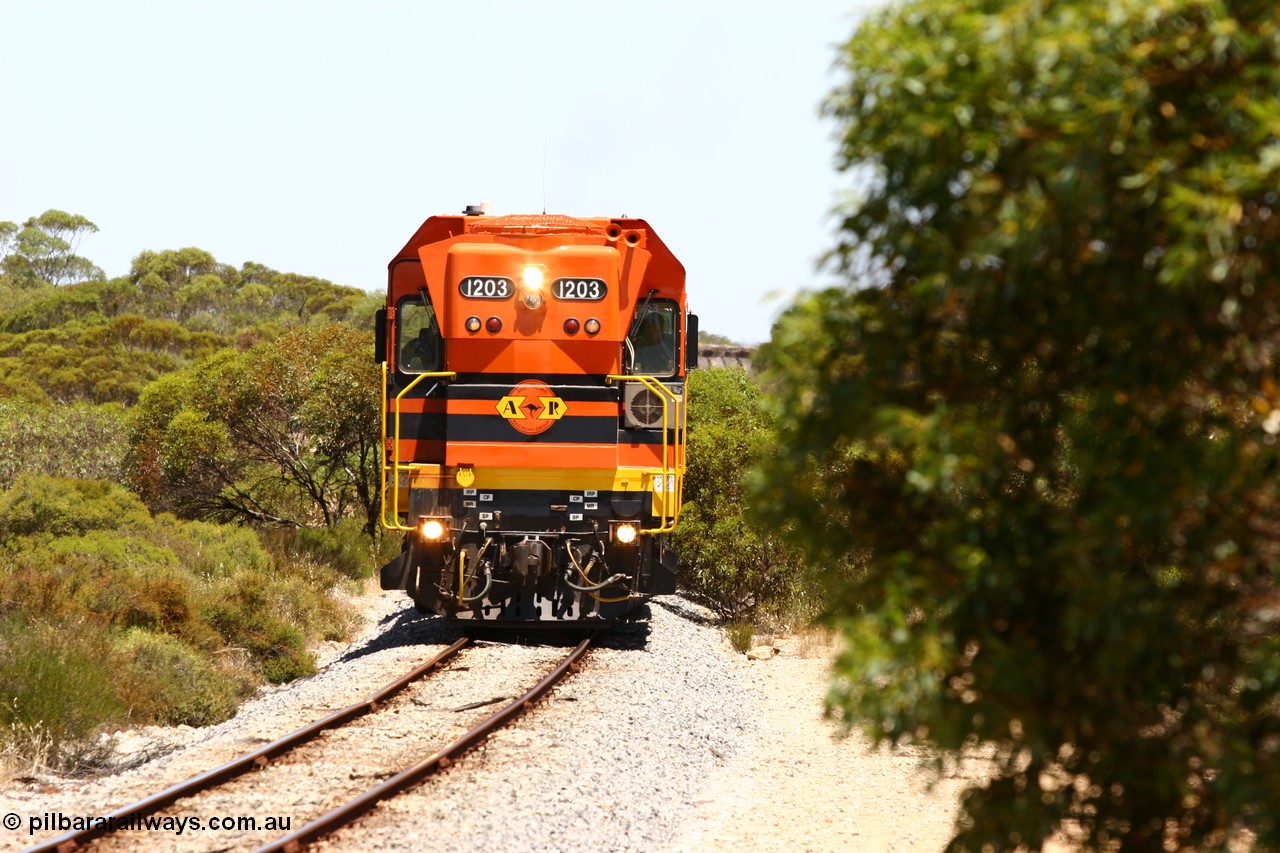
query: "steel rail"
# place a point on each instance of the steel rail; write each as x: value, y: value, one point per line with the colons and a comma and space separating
x: 405, y: 779
x: 258, y: 758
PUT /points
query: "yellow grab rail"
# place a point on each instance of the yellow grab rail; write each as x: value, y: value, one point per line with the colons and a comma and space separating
x: 672, y: 457
x: 396, y: 467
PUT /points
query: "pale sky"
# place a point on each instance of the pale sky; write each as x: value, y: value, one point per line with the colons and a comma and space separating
x: 315, y: 137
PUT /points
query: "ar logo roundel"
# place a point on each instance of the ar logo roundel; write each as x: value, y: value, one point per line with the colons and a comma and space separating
x: 532, y: 407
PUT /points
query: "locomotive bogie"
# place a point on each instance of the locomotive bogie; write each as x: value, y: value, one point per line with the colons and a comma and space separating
x: 580, y: 545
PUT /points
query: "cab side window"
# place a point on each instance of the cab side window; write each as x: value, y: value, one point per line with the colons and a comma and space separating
x: 655, y: 339
x: 420, y: 345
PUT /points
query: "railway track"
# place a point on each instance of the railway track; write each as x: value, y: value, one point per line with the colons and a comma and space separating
x: 271, y: 754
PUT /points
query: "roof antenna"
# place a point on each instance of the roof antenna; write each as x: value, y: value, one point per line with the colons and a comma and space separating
x: 544, y: 174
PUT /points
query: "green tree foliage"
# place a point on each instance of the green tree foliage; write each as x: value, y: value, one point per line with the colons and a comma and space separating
x: 103, y: 341
x: 1052, y: 425
x: 91, y: 302
x: 189, y: 286
x: 743, y: 571
x: 284, y: 434
x: 97, y: 361
x: 8, y: 230
x: 310, y: 300
x: 44, y: 249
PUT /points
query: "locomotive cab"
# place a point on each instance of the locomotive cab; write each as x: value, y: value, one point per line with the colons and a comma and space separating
x: 534, y: 417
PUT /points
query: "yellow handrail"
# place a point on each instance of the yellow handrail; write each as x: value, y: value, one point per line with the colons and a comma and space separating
x: 672, y: 458
x: 396, y: 467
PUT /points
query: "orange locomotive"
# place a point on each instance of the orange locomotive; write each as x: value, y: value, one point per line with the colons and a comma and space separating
x: 534, y: 417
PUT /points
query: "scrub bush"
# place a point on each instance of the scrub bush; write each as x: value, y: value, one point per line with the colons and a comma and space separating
x: 271, y: 616
x: 741, y: 570
x: 110, y: 616
x: 55, y: 692
x: 77, y: 440
x: 344, y: 546
x: 166, y: 681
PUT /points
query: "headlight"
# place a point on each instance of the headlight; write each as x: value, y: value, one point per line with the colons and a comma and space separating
x: 533, y: 277
x: 531, y: 280
x: 433, y: 529
x: 625, y: 533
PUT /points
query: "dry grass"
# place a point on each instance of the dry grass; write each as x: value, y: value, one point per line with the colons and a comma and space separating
x: 794, y: 633
x: 740, y: 634
x: 816, y: 642
x: 28, y: 751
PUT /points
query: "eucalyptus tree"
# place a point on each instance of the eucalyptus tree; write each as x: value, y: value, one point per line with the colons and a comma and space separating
x: 284, y: 434
x: 44, y: 249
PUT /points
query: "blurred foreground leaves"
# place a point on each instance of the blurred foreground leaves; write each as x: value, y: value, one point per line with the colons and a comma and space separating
x: 1046, y: 411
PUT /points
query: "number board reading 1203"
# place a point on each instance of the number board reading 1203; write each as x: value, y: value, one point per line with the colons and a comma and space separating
x: 487, y: 287
x: 579, y: 289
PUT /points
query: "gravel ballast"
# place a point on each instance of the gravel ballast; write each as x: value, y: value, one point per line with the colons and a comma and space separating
x: 613, y: 761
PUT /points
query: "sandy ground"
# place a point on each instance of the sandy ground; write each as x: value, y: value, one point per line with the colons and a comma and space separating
x: 802, y: 787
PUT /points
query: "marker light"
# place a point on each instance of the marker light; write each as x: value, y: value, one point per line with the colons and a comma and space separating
x: 625, y: 533
x: 432, y: 529
x: 473, y: 324
x: 592, y: 326
x: 494, y: 325
x: 571, y: 326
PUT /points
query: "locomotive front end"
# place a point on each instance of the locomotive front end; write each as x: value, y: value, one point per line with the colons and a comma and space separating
x: 534, y: 416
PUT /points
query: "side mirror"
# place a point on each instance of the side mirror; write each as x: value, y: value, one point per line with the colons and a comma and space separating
x: 380, y: 336
x: 691, y: 342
